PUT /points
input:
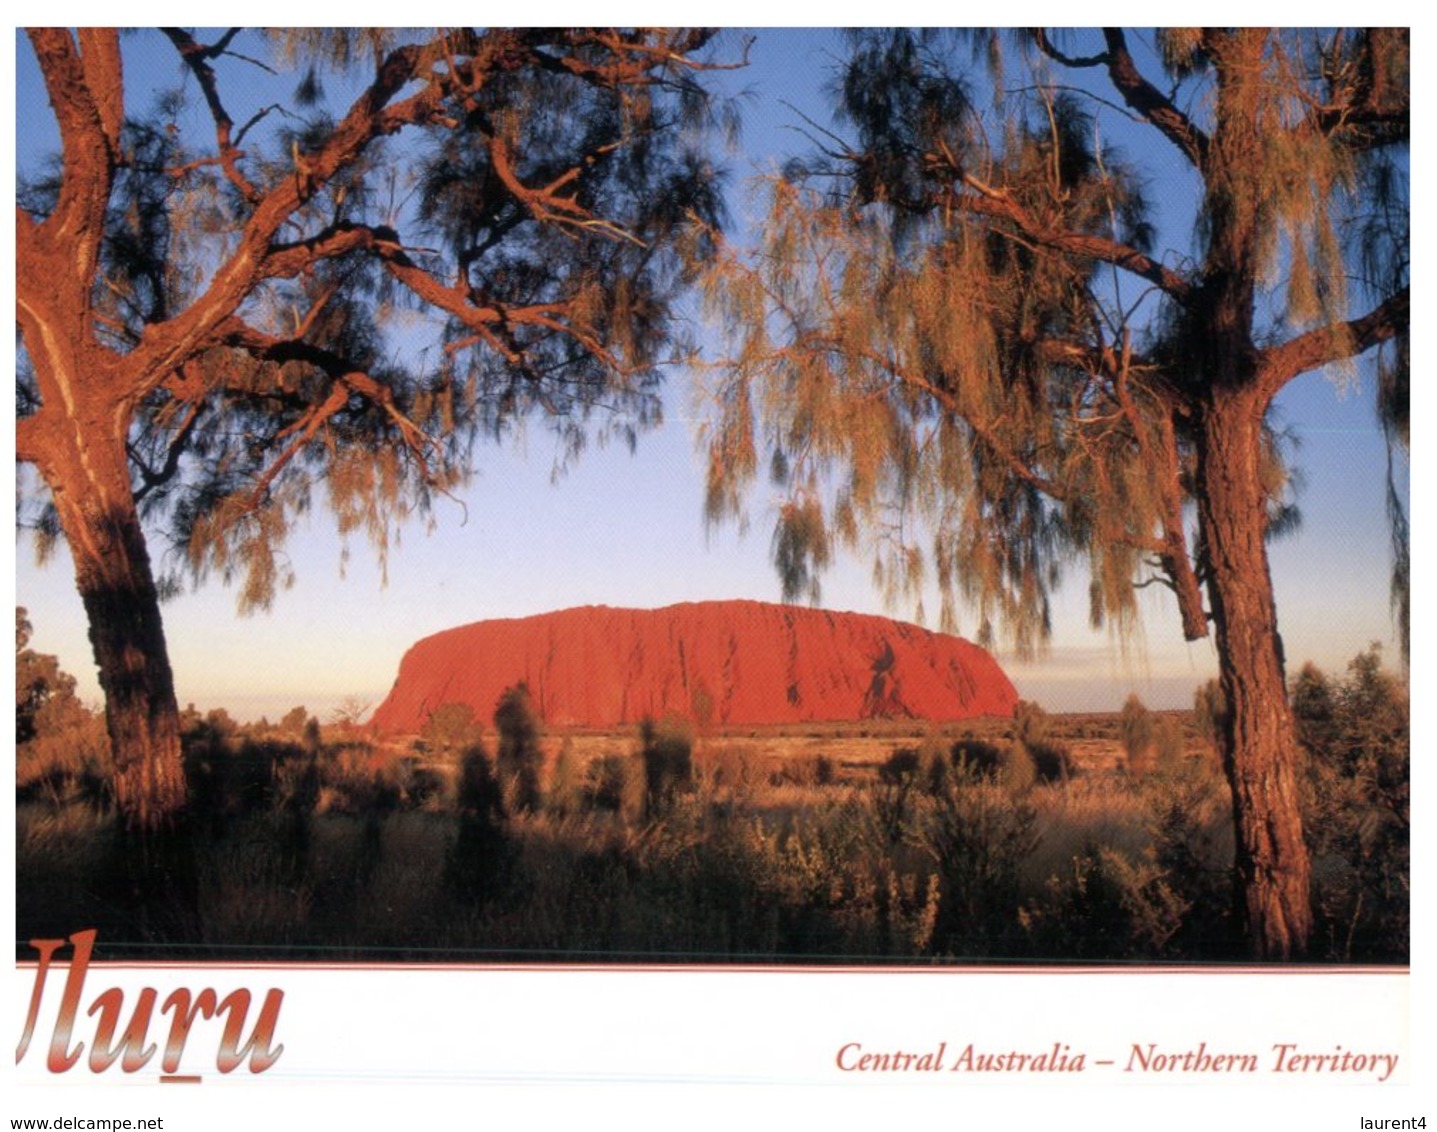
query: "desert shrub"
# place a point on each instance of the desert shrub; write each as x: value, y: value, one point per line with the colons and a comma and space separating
x: 978, y: 755
x: 480, y: 862
x: 1030, y: 722
x: 566, y: 783
x: 61, y: 750
x: 1137, y: 730
x: 356, y: 779
x: 1189, y: 824
x: 1107, y: 907
x: 1017, y: 769
x: 69, y: 764
x: 616, y: 783
x: 730, y: 767
x: 1209, y: 711
x: 220, y: 724
x: 478, y: 793
x: 604, y: 782
x: 293, y: 722
x: 1314, y: 705
x: 451, y: 729
x: 1052, y: 761
x: 890, y: 796
x: 977, y: 835
x: 518, y: 725
x: 295, y: 789
x: 295, y: 777
x: 1169, y: 748
x: 804, y: 770
x: 935, y: 764
x: 225, y: 776
x: 901, y: 766
x: 424, y: 785
x: 666, y: 748
x: 1357, y: 808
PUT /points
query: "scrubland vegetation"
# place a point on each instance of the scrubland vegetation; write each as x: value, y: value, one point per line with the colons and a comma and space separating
x: 1038, y: 838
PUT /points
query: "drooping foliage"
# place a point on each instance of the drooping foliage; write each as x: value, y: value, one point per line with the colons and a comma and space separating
x: 507, y: 240
x: 963, y: 348
x: 969, y: 342
x: 279, y: 270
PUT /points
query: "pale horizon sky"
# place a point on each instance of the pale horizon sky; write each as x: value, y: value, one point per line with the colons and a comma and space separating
x: 629, y: 531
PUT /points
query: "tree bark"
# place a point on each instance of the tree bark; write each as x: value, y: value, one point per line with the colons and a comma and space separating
x: 88, y: 475
x: 1257, y: 735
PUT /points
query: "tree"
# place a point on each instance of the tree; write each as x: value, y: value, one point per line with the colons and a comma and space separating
x: 963, y: 323
x: 205, y: 313
x: 45, y: 700
x: 59, y: 744
x: 519, y: 756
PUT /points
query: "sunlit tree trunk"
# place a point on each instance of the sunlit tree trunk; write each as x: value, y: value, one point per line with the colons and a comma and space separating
x: 88, y: 476
x: 1257, y: 737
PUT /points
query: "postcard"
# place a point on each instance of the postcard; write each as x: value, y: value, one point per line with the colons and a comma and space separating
x: 689, y: 569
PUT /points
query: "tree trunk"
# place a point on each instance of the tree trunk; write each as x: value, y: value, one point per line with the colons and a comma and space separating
x: 88, y: 476
x: 1257, y: 736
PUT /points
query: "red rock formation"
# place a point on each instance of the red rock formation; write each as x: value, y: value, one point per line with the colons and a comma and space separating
x: 734, y: 662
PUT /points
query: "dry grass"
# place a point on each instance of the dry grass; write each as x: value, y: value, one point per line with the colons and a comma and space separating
x: 788, y: 844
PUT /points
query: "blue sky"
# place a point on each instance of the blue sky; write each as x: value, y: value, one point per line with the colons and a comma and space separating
x: 628, y: 530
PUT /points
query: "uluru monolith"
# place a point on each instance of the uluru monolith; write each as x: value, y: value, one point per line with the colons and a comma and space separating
x: 721, y: 662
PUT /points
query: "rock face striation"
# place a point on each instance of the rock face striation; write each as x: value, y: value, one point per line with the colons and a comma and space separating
x: 721, y: 662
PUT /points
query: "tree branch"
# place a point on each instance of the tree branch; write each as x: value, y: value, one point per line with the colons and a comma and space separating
x: 76, y: 226
x: 1045, y: 45
x: 156, y: 478
x: 982, y: 200
x: 1150, y: 102
x: 1277, y: 365
x: 100, y: 54
x: 166, y: 345
x: 346, y: 377
x: 197, y: 57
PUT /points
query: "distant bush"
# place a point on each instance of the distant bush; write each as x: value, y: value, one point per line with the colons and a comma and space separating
x: 901, y: 767
x: 480, y: 863
x: 1017, y: 769
x: 1136, y: 726
x: 804, y: 770
x: 1209, y: 712
x: 615, y: 783
x: 1052, y: 760
x: 1012, y: 765
x: 1169, y: 746
x: 62, y: 750
x: 566, y: 783
x: 666, y: 748
x: 71, y: 763
x: 356, y: 779
x: 450, y: 729
x: 520, y: 757
x: 293, y: 722
x: 978, y: 755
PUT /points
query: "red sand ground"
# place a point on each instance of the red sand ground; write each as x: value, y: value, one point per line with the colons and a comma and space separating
x: 753, y: 662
